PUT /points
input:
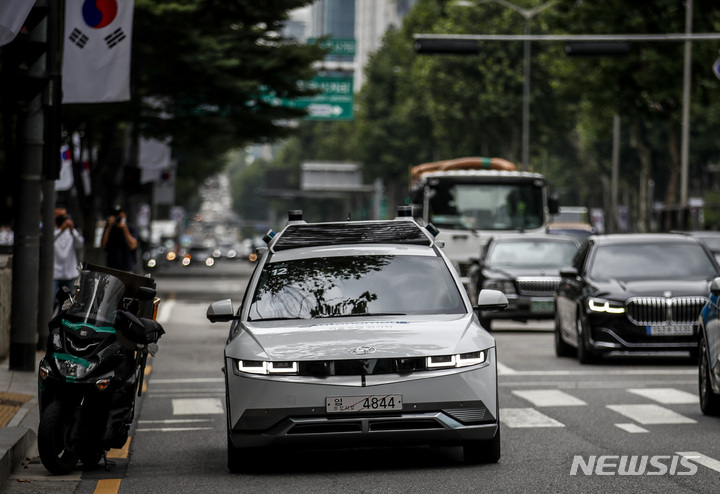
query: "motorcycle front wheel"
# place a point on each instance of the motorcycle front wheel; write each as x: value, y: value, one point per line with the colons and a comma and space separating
x: 59, y: 451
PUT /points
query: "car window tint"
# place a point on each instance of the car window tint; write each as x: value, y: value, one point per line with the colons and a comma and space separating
x: 648, y: 262
x: 351, y: 285
x: 532, y: 254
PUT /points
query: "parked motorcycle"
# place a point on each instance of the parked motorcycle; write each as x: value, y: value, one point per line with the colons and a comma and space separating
x: 93, y: 369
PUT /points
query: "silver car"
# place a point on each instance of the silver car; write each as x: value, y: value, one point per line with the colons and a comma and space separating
x: 358, y: 334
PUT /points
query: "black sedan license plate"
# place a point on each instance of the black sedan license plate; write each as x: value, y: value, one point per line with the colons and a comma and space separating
x: 671, y: 330
x: 369, y: 403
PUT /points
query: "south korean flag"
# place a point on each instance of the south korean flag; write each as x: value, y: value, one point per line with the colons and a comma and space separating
x: 97, y: 51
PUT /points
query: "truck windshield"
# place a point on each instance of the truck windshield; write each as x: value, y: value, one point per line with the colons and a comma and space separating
x: 492, y: 206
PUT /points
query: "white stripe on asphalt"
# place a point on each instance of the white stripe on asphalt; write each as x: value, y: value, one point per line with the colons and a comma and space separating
x: 174, y: 429
x: 651, y: 414
x: 666, y: 396
x: 599, y: 372
x: 504, y: 370
x: 197, y: 406
x: 164, y: 311
x: 526, y: 418
x: 631, y: 428
x: 549, y: 398
x: 701, y: 459
x: 189, y: 380
x: 173, y: 421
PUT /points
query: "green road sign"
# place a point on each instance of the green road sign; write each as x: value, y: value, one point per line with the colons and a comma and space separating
x: 336, y: 46
x: 334, y: 102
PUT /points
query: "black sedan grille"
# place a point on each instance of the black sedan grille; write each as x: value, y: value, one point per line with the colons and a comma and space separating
x: 649, y: 311
x: 541, y: 286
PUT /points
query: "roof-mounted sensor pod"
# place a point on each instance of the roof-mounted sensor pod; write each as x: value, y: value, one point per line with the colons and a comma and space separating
x: 295, y: 215
x: 432, y: 230
x: 404, y: 212
x: 268, y: 236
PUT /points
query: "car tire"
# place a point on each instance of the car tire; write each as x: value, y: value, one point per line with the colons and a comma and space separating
x: 709, y: 400
x: 584, y: 354
x: 562, y: 348
x: 235, y: 458
x: 486, y: 451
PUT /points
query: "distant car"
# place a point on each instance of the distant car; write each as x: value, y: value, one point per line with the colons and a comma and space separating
x: 198, y: 255
x: 526, y: 268
x: 710, y: 238
x: 636, y: 293
x: 709, y: 353
x: 358, y: 333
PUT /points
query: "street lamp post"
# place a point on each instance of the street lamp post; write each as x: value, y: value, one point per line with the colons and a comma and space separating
x: 528, y: 15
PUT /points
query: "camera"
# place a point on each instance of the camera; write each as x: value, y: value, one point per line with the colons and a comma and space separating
x: 60, y: 220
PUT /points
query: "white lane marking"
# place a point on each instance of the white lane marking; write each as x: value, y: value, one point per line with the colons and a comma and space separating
x: 189, y: 380
x: 504, y: 370
x: 164, y: 311
x: 197, y: 406
x: 666, y: 396
x: 589, y: 384
x: 651, y: 414
x: 173, y: 429
x: 549, y: 398
x: 701, y: 459
x: 631, y: 428
x: 603, y: 372
x: 173, y: 421
x: 526, y: 418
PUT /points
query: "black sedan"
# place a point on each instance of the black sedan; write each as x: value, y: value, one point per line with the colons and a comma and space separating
x: 709, y: 353
x: 526, y: 268
x: 631, y: 293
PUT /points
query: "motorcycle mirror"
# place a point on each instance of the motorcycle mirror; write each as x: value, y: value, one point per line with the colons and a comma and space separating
x: 145, y: 293
x: 62, y: 295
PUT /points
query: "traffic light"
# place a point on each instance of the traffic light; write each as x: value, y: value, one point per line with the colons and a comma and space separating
x: 446, y: 46
x: 597, y: 49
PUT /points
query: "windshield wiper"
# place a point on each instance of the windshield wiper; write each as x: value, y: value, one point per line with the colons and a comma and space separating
x: 275, y: 319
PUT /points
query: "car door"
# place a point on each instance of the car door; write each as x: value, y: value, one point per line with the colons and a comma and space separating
x: 569, y: 293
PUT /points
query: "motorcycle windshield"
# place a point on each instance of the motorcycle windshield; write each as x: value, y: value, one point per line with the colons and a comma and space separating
x: 98, y: 298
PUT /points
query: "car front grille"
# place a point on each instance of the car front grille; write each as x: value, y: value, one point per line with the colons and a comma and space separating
x: 649, y: 311
x: 539, y: 286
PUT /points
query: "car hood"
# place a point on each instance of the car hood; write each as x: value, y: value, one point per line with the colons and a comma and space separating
x: 380, y: 337
x: 654, y: 288
x: 521, y: 272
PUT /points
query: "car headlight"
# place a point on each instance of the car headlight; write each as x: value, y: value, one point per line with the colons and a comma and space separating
x: 601, y: 305
x: 265, y: 368
x: 505, y: 286
x: 170, y: 256
x: 73, y: 367
x: 209, y: 261
x: 151, y: 263
x: 458, y: 360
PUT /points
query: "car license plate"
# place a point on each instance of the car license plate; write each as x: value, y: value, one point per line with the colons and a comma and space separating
x: 542, y: 306
x: 671, y: 330
x: 371, y: 403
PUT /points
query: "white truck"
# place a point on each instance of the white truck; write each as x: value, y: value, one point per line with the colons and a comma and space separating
x: 470, y: 199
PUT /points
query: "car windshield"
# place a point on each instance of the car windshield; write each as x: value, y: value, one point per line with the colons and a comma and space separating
x: 355, y: 285
x: 532, y: 254
x: 651, y: 262
x: 466, y: 206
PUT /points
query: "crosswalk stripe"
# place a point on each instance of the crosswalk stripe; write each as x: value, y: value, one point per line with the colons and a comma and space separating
x: 631, y: 428
x: 549, y: 398
x: 197, y: 406
x: 701, y: 459
x: 666, y: 396
x: 651, y: 414
x: 526, y: 418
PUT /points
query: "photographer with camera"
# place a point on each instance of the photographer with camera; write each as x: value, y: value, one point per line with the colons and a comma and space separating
x: 120, y: 240
x: 67, y: 242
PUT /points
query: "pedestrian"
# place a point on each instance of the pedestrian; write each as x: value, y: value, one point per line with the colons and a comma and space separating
x: 67, y: 242
x: 120, y: 239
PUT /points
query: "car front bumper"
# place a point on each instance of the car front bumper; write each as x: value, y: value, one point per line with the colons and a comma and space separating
x: 445, y: 407
x: 618, y: 334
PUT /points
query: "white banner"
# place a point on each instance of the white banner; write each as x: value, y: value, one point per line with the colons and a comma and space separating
x: 97, y: 51
x: 12, y: 17
x: 66, y: 180
x: 154, y: 156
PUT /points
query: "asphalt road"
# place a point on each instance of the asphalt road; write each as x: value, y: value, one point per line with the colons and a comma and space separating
x: 565, y: 427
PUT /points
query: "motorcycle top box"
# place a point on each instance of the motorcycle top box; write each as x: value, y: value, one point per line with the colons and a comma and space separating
x: 93, y: 368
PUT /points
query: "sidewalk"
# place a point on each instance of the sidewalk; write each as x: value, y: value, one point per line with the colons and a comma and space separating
x: 19, y: 418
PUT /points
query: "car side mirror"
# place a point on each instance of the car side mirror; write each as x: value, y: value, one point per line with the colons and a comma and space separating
x: 554, y: 204
x: 569, y: 272
x: 491, y: 300
x: 221, y: 311
x: 715, y: 286
x: 144, y: 293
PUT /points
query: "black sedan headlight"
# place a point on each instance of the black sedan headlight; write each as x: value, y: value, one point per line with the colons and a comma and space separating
x: 598, y: 305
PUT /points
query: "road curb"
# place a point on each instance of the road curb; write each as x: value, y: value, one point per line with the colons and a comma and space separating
x: 20, y: 441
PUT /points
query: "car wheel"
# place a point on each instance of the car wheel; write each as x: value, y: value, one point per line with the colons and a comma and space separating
x: 584, y: 354
x: 709, y: 401
x: 487, y: 451
x: 235, y: 458
x: 562, y: 348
